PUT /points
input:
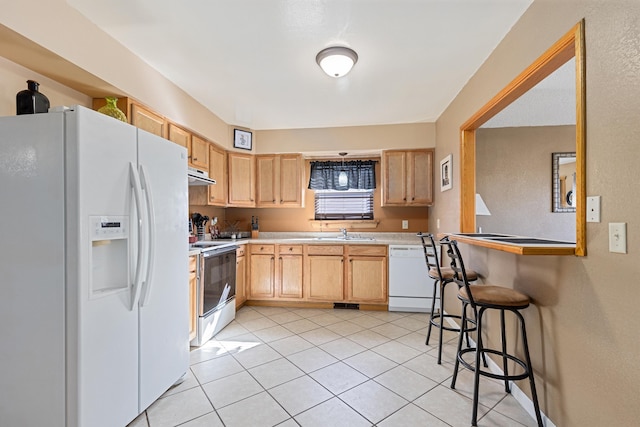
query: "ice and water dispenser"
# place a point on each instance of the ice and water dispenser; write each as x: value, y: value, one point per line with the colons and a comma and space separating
x: 109, y: 254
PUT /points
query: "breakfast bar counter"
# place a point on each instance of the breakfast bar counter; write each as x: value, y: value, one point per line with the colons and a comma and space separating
x: 520, y: 245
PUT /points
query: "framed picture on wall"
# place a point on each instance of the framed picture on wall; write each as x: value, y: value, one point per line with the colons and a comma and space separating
x: 446, y: 173
x: 242, y: 139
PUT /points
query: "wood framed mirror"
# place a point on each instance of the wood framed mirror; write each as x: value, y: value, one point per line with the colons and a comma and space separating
x: 571, y: 45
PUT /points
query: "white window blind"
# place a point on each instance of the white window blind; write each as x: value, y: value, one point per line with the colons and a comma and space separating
x: 340, y: 205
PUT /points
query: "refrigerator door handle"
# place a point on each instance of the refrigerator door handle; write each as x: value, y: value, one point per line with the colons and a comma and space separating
x: 137, y: 192
x: 152, y: 231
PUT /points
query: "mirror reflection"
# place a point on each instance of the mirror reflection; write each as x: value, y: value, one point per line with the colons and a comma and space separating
x: 564, y: 182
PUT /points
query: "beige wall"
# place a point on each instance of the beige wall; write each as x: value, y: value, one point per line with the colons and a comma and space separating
x: 584, y: 327
x: 14, y: 79
x: 354, y: 139
x: 513, y: 176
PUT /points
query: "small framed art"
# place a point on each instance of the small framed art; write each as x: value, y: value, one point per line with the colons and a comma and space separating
x: 446, y: 173
x: 242, y: 139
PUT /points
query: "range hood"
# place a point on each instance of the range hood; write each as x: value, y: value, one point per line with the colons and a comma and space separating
x: 199, y: 177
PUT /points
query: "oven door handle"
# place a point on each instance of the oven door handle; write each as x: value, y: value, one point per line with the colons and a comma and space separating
x: 151, y: 240
x: 137, y: 193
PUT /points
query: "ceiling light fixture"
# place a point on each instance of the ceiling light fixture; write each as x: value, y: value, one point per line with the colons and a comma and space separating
x: 336, y: 61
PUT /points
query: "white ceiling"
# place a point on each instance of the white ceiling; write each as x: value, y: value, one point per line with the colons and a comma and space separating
x: 252, y: 62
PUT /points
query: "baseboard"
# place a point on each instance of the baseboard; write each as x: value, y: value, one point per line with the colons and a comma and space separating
x: 520, y: 396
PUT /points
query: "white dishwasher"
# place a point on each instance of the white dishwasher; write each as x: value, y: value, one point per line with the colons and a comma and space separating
x: 410, y: 287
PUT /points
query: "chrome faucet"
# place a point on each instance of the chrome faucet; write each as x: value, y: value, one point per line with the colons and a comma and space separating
x: 344, y: 233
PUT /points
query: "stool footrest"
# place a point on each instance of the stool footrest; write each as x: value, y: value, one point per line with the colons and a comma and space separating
x: 441, y: 325
x: 502, y: 377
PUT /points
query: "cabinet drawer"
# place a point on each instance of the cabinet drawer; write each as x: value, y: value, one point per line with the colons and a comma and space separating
x: 290, y: 249
x: 368, y: 250
x: 192, y: 263
x: 325, y: 250
x: 241, y: 250
x: 262, y: 249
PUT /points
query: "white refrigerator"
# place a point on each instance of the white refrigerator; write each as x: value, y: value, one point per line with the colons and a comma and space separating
x: 93, y: 269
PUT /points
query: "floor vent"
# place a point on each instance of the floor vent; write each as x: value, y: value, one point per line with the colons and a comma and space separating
x: 346, y: 305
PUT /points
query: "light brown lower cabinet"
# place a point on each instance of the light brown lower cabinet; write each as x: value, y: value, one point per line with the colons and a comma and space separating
x: 261, y: 271
x: 193, y: 296
x: 289, y: 274
x: 275, y: 271
x: 367, y: 274
x: 318, y: 273
x: 324, y: 273
x: 241, y: 274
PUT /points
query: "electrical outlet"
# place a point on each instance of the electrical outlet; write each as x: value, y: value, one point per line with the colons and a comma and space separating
x: 618, y: 237
x: 593, y: 209
x: 405, y: 224
x: 438, y: 223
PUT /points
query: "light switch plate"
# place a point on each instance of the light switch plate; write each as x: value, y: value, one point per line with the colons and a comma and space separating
x: 618, y: 237
x: 593, y: 209
x: 405, y: 224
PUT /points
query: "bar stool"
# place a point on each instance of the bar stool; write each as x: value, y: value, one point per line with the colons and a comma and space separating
x: 482, y: 298
x: 442, y: 276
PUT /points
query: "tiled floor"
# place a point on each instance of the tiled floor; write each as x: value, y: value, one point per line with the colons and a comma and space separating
x: 308, y: 367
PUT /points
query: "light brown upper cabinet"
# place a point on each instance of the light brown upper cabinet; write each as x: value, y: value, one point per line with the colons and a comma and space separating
x: 143, y: 118
x: 218, y: 171
x: 138, y: 115
x: 279, y: 180
x: 197, y: 147
x: 242, y: 177
x: 407, y: 177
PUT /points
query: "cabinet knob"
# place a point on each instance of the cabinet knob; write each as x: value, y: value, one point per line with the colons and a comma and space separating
x: 290, y: 249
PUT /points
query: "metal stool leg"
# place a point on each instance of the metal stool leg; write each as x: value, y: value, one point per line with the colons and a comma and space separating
x: 504, y: 352
x: 433, y: 308
x: 476, y: 379
x: 534, y: 394
x: 460, y: 339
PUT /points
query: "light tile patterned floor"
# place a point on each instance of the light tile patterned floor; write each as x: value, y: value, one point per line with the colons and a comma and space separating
x: 310, y: 367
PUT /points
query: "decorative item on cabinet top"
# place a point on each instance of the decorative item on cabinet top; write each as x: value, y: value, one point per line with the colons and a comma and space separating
x: 30, y: 100
x: 111, y: 109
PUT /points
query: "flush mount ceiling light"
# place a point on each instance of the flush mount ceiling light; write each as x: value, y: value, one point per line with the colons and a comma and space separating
x: 336, y: 61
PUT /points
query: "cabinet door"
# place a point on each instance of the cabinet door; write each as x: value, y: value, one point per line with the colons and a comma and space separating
x: 267, y: 182
x: 199, y: 152
x: 325, y: 275
x: 261, y: 281
x: 289, y: 276
x: 193, y: 298
x: 146, y: 119
x: 367, y: 279
x: 290, y: 180
x: 241, y: 271
x: 420, y: 177
x: 241, y: 179
x: 394, y: 177
x: 218, y: 171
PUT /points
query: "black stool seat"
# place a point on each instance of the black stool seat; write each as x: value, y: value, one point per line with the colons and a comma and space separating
x: 482, y: 298
x: 442, y: 276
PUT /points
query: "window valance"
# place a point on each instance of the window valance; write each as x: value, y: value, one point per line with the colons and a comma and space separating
x: 360, y: 174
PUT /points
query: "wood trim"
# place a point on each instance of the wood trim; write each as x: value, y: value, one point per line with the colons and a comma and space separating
x: 569, y: 46
x: 468, y: 181
x: 581, y: 140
